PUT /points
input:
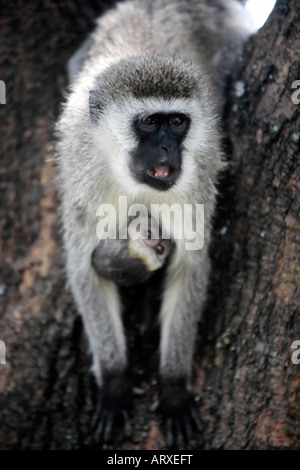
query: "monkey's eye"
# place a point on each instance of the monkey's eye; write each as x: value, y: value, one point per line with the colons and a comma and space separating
x: 149, y: 121
x: 147, y: 124
x: 178, y: 121
x: 159, y: 249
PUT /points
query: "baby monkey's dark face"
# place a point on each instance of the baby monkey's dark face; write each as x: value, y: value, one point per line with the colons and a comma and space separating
x: 132, y: 261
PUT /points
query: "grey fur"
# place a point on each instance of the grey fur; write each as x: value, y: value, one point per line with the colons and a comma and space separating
x: 144, y: 54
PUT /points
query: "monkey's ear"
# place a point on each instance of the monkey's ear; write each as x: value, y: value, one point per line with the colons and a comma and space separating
x: 96, y: 106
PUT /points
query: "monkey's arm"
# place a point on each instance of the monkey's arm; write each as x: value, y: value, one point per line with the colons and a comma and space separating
x: 182, y: 304
x: 100, y: 307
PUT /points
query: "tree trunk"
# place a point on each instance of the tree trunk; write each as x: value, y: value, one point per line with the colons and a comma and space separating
x: 244, y: 374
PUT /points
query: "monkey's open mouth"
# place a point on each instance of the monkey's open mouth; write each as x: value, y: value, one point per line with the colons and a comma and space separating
x: 161, y: 177
x: 161, y: 172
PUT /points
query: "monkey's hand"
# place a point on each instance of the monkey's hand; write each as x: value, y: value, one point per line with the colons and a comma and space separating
x: 114, y: 401
x: 180, y: 414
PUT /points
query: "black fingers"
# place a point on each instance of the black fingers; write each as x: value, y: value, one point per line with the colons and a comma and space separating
x: 179, y: 411
x: 114, y: 403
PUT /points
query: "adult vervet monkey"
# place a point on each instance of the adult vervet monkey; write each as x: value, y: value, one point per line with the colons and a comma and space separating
x: 141, y: 122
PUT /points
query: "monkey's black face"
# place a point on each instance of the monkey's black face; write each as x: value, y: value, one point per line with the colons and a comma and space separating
x: 157, y: 160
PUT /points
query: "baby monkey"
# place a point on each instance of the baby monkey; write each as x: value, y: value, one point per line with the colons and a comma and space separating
x: 133, y: 260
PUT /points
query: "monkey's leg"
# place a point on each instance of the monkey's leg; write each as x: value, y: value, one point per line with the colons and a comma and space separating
x: 99, y: 304
x: 181, y: 308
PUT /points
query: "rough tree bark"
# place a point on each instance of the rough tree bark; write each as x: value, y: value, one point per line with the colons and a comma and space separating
x: 248, y: 384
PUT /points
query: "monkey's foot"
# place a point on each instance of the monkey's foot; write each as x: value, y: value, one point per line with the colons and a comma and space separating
x: 114, y: 401
x: 178, y: 408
